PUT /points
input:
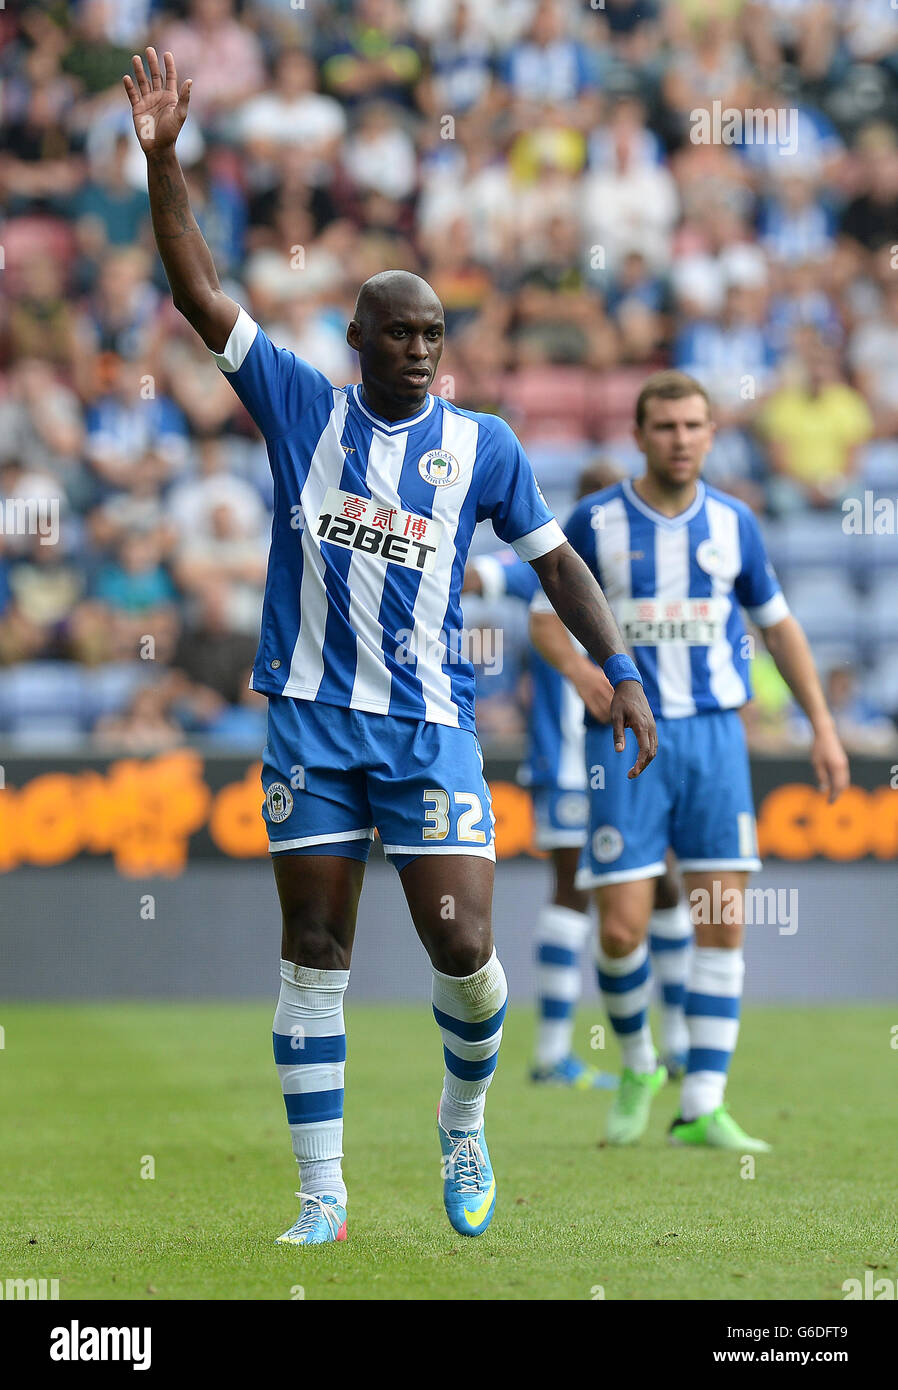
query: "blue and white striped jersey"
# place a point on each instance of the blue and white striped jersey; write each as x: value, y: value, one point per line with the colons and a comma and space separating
x: 371, y: 529
x: 675, y: 585
x: 556, y: 733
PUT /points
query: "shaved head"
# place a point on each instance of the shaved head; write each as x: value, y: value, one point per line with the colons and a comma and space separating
x: 388, y: 292
x: 397, y: 330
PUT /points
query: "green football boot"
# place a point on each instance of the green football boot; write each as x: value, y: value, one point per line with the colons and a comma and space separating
x: 629, y: 1114
x: 716, y: 1131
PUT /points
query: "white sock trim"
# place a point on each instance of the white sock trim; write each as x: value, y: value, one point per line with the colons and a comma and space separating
x: 305, y: 977
x: 562, y: 926
x: 621, y: 965
x: 480, y: 994
x: 673, y: 923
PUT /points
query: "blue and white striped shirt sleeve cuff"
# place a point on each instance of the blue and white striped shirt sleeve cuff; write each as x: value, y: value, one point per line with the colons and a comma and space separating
x: 239, y: 343
x: 540, y: 541
x: 771, y: 612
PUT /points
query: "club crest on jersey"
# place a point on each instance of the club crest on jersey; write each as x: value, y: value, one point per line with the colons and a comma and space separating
x: 279, y: 800
x: 713, y: 558
x: 607, y: 844
x: 439, y: 467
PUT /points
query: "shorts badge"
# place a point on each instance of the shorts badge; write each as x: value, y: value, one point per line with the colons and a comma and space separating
x: 279, y: 800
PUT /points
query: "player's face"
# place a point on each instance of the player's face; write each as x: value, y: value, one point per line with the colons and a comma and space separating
x: 399, y: 352
x: 675, y: 438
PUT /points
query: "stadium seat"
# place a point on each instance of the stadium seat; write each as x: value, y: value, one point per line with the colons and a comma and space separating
x: 878, y: 464
x: 41, y: 690
x: 107, y: 689
x: 812, y: 538
x: 879, y: 612
x: 881, y: 682
x: 38, y: 735
x: 881, y: 553
x: 824, y: 601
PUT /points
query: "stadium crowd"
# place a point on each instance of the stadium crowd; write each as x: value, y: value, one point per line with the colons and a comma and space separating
x: 542, y: 165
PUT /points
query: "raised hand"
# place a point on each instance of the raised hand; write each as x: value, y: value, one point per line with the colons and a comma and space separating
x: 158, y: 109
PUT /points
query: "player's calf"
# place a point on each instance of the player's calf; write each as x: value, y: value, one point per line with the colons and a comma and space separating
x: 469, y: 1011
x: 309, y: 1038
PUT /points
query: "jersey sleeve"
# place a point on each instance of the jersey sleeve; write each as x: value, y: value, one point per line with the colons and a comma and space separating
x: 275, y: 385
x: 512, y: 500
x: 505, y: 576
x: 757, y: 587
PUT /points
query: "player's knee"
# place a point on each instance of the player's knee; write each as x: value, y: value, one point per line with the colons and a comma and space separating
x: 722, y: 936
x: 465, y: 952
x: 311, y: 942
x: 620, y: 935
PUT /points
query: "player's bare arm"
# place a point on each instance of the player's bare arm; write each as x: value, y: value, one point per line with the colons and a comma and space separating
x: 584, y: 611
x: 160, y: 109
x: 552, y: 640
x: 789, y: 648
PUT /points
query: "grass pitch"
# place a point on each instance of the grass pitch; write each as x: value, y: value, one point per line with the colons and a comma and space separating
x: 94, y: 1096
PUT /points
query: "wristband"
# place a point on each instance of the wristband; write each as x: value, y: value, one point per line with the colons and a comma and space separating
x: 621, y: 668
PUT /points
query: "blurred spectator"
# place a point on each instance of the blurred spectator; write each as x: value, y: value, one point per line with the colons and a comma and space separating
x: 863, y: 727
x: 872, y: 216
x: 630, y: 206
x: 292, y: 112
x: 106, y: 210
x: 222, y: 55
x: 375, y: 58
x: 42, y: 421
x: 40, y: 159
x: 40, y: 323
x: 461, y: 65
x: 379, y: 154
x: 119, y: 313
x: 191, y: 504
x: 548, y: 67
x: 98, y: 55
x: 228, y: 560
x: 130, y: 427
x: 813, y: 431
x: 804, y: 31
x: 189, y: 375
x: 873, y: 354
x: 795, y: 224
x: 146, y: 726
x: 44, y: 589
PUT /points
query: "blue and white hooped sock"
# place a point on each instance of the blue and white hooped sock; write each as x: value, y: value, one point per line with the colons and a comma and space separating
x: 469, y: 1010
x: 670, y: 937
x: 712, y: 1016
x: 310, y: 1053
x: 626, y: 983
x: 560, y: 934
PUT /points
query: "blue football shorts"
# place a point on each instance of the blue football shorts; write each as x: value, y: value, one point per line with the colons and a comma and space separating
x: 561, y: 815
x: 694, y: 797
x: 332, y: 775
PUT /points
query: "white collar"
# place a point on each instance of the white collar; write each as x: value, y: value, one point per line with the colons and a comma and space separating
x: 396, y: 426
x: 670, y: 522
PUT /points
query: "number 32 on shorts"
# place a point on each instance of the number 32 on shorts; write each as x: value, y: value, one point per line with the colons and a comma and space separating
x: 436, y: 821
